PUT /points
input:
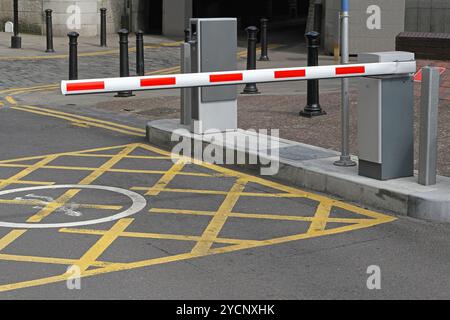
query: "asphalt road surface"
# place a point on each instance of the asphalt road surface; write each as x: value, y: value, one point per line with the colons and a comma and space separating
x: 88, y: 197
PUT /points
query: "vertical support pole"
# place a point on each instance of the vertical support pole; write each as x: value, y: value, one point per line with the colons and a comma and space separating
x: 125, y: 18
x: 252, y: 33
x: 103, y: 27
x: 345, y: 159
x: 429, y: 126
x: 124, y: 61
x: 49, y: 27
x: 16, y: 40
x: 313, y: 108
x: 186, y: 93
x: 140, y: 63
x: 264, y: 42
x: 73, y: 55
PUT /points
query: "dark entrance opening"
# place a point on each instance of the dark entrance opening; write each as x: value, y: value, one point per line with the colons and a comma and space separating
x: 154, y: 15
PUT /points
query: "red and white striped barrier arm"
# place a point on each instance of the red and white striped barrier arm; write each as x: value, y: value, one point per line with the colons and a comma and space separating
x: 234, y: 77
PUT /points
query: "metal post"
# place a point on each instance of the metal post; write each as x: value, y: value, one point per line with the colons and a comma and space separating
x: 16, y: 41
x: 124, y: 61
x: 187, y: 35
x: 252, y: 33
x: 140, y: 64
x: 73, y: 55
x: 186, y: 93
x: 313, y: 108
x: 264, y: 41
x: 103, y: 27
x: 429, y: 126
x: 345, y: 159
x: 49, y: 27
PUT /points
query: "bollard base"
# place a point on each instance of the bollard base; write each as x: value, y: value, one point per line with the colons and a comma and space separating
x: 251, y: 88
x: 16, y: 42
x: 264, y: 58
x: 345, y: 161
x: 124, y: 94
x: 50, y: 51
x: 312, y: 111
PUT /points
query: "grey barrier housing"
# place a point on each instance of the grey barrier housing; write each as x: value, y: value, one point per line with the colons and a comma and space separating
x: 212, y: 47
x: 385, y: 121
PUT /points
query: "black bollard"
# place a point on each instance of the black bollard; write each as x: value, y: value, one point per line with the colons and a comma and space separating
x: 73, y: 55
x: 318, y: 8
x: 140, y: 65
x: 103, y: 27
x: 264, y: 42
x: 124, y: 62
x: 49, y: 27
x: 16, y: 41
x: 313, y: 108
x: 252, y: 32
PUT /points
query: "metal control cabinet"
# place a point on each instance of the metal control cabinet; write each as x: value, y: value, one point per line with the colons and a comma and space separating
x: 385, y: 121
x: 213, y: 48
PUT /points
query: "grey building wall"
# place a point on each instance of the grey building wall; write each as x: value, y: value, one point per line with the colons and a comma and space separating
x: 362, y: 38
x: 428, y: 16
x: 32, y: 20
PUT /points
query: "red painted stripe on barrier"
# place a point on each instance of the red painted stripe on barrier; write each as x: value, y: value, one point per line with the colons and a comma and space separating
x: 226, y: 77
x: 85, y: 86
x: 350, y: 70
x: 290, y: 74
x: 167, y: 81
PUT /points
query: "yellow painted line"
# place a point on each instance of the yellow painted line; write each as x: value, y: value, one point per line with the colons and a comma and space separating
x: 133, y: 133
x: 10, y: 237
x: 43, y: 203
x: 163, y: 236
x: 320, y: 218
x: 1, y: 104
x: 217, y: 192
x: 259, y: 216
x: 166, y: 178
x: 140, y: 130
x: 12, y: 90
x: 102, y: 244
x: 99, y: 155
x: 26, y: 171
x: 11, y: 100
x: 69, y: 194
x: 39, y: 183
x: 47, y: 260
x: 218, y: 221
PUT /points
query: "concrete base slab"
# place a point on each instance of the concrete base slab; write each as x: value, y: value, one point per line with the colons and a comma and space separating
x: 312, y: 167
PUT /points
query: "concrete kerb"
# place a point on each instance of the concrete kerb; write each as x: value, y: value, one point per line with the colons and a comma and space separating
x: 312, y: 168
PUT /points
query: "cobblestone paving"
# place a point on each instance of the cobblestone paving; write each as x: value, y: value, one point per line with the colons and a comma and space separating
x: 24, y: 73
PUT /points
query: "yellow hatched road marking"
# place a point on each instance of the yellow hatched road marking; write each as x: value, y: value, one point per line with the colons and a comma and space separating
x: 163, y: 236
x: 69, y: 194
x: 102, y: 244
x: 258, y: 216
x: 320, y: 218
x: 43, y: 203
x: 218, y: 221
x: 166, y: 178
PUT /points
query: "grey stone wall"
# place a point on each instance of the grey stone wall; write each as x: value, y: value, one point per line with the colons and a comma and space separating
x: 363, y: 39
x: 428, y: 16
x: 32, y: 20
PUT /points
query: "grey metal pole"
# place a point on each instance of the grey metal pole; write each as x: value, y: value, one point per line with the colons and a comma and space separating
x: 264, y: 41
x: 429, y: 126
x: 345, y: 159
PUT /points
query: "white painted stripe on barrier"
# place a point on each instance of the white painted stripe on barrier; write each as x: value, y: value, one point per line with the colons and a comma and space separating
x: 234, y: 77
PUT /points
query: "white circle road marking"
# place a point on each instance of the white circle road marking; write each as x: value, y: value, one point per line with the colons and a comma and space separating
x: 138, y: 204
